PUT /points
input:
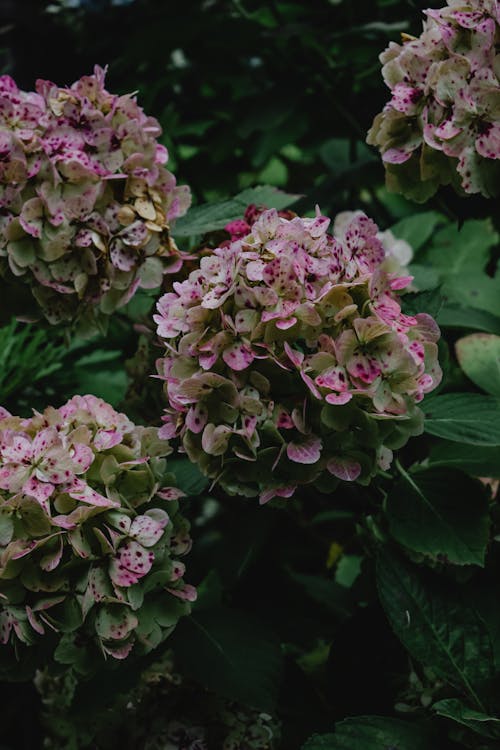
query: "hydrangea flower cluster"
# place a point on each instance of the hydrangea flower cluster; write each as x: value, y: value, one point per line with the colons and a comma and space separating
x: 442, y: 124
x: 85, y: 196
x: 90, y: 534
x: 288, y: 359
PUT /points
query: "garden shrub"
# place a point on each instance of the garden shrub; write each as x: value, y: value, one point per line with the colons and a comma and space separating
x: 344, y: 371
x: 90, y: 535
x: 288, y: 359
x: 442, y: 123
x: 86, y: 199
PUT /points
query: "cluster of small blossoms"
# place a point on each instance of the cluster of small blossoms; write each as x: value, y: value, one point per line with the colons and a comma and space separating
x: 442, y: 124
x: 85, y: 196
x: 90, y: 533
x: 288, y: 359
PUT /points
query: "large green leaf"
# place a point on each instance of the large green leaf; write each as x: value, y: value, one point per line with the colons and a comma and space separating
x: 211, y: 216
x: 417, y: 229
x: 459, y: 252
x: 475, y: 290
x: 457, y: 316
x: 461, y: 255
x: 479, y: 357
x: 464, y: 418
x: 232, y: 654
x: 436, y: 627
x: 372, y: 733
x: 477, y: 721
x: 478, y: 460
x: 440, y: 513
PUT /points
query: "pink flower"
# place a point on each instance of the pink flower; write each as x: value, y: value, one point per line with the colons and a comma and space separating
x: 281, y: 339
x: 86, y: 197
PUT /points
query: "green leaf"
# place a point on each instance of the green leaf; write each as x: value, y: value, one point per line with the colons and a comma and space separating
x: 460, y: 252
x: 480, y: 461
x: 232, y: 654
x: 428, y: 302
x: 435, y: 626
x: 348, y: 570
x: 424, y: 278
x: 460, y: 256
x: 479, y: 357
x: 372, y: 733
x: 212, y: 216
x: 330, y: 594
x: 464, y: 418
x: 455, y: 316
x: 440, y: 512
x: 477, y: 721
x: 188, y: 477
x: 474, y: 290
x: 336, y: 154
x: 417, y: 229
x: 110, y: 385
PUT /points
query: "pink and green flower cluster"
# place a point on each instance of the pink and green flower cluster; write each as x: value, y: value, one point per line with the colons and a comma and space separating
x: 90, y: 534
x: 85, y: 198
x: 288, y: 359
x: 442, y: 124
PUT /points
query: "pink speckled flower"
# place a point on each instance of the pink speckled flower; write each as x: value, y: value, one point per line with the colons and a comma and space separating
x: 442, y: 123
x: 86, y: 199
x: 84, y: 524
x: 288, y: 358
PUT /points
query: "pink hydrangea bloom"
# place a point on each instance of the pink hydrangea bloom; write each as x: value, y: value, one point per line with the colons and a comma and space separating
x: 288, y: 358
x: 84, y: 523
x: 442, y: 124
x: 86, y: 199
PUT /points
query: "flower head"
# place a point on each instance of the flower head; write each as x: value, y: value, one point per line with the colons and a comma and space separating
x: 442, y: 124
x: 89, y: 536
x: 288, y: 359
x: 86, y: 199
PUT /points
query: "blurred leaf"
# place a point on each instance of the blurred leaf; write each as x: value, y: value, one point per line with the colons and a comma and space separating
x: 348, y: 570
x: 480, y: 461
x: 417, y: 229
x: 424, y: 278
x: 336, y: 154
x: 330, y: 594
x: 110, y: 385
x: 455, y: 316
x: 479, y: 357
x: 464, y: 418
x: 440, y: 512
x: 232, y: 654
